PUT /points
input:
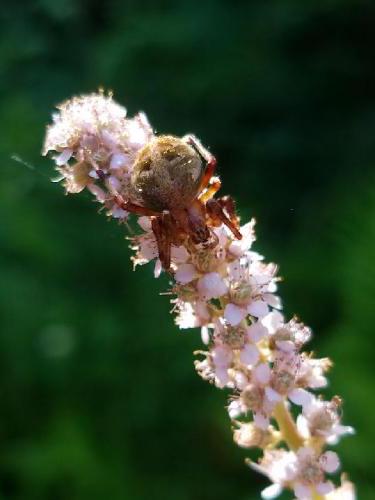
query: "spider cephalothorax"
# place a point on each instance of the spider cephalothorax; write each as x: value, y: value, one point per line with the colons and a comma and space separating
x: 172, y: 182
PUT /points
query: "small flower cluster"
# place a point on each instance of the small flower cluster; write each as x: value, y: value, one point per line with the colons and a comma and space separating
x: 231, y: 294
x: 252, y: 350
x: 96, y: 145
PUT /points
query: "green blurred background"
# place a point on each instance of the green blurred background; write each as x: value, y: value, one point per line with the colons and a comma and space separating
x: 98, y: 395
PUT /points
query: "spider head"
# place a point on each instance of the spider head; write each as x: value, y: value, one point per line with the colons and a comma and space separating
x: 167, y: 173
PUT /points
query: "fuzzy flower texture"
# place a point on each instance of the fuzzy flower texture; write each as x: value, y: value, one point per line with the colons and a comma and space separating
x: 230, y: 293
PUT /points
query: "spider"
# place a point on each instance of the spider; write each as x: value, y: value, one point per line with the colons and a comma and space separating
x: 173, y: 183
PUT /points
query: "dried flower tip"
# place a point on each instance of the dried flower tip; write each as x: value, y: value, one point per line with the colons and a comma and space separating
x: 247, y: 435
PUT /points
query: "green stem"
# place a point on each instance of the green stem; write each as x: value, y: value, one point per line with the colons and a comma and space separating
x: 287, y: 426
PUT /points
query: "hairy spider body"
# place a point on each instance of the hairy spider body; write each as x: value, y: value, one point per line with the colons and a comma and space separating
x: 173, y: 183
x: 167, y: 174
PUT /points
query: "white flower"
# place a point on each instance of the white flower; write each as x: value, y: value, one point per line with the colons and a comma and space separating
x: 287, y: 336
x: 239, y: 247
x: 254, y: 397
x: 93, y: 131
x: 283, y: 379
x: 146, y: 248
x: 322, y: 419
x: 310, y: 472
x: 138, y: 132
x: 82, y: 117
x: 304, y: 471
x: 252, y: 285
x: 280, y: 467
x: 211, y: 285
x: 191, y: 314
x: 311, y: 372
x: 233, y: 343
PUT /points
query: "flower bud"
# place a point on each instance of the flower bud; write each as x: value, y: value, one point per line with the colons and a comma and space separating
x: 248, y: 436
x: 252, y: 397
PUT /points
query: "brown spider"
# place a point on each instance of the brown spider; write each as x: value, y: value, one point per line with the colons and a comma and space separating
x: 171, y: 184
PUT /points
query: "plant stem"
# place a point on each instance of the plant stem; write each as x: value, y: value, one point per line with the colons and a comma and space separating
x: 289, y: 433
x: 287, y: 426
x: 316, y: 496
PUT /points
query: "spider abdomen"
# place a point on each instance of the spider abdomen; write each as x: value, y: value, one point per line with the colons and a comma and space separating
x: 167, y: 174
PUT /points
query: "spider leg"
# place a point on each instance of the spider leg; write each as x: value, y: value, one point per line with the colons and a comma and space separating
x: 198, y: 146
x: 211, y: 190
x: 207, y: 157
x: 132, y: 207
x: 228, y: 204
x: 198, y: 229
x: 161, y: 227
x: 215, y: 211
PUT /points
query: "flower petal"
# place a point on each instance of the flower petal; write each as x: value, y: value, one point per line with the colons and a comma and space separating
x: 145, y: 223
x: 257, y: 308
x: 234, y: 314
x: 185, y: 273
x: 63, y: 157
x: 211, y: 285
x: 300, y: 397
x: 234, y: 409
x: 302, y: 491
x: 272, y: 300
x: 205, y: 335
x: 158, y: 268
x: 119, y: 160
x: 286, y: 345
x: 261, y: 421
x: 272, y: 395
x: 324, y: 488
x: 272, y: 491
x: 303, y: 426
x: 273, y: 321
x: 249, y: 355
x: 221, y: 356
x: 262, y: 373
x: 329, y: 461
x: 256, y: 331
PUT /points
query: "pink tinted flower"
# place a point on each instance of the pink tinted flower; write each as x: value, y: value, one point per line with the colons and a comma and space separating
x: 240, y: 247
x: 310, y: 472
x: 185, y: 273
x: 252, y: 285
x: 303, y: 470
x: 280, y: 467
x: 191, y: 314
x: 211, y: 285
x: 322, y: 419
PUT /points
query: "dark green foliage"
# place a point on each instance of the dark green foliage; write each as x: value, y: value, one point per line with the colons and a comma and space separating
x: 98, y: 395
